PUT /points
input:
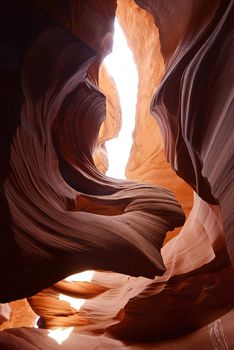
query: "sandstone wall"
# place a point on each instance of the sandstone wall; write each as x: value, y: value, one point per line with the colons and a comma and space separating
x: 61, y: 215
x: 147, y: 161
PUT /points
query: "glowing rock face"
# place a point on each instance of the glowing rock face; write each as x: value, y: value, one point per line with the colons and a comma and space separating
x: 65, y: 215
x: 194, y: 103
x: 62, y: 216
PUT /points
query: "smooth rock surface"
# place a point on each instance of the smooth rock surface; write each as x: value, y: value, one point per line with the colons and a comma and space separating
x: 61, y: 215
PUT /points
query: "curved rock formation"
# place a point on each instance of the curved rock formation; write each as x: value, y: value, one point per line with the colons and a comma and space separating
x: 65, y: 216
x: 218, y: 334
x: 147, y: 161
x: 198, y: 136
x: 148, y: 306
x: 61, y: 215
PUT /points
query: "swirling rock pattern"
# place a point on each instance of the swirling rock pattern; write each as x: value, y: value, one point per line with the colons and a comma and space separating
x: 216, y: 334
x: 204, y: 224
x: 61, y: 215
x: 194, y: 103
x: 66, y: 216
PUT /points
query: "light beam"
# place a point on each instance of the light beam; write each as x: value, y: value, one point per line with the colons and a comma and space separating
x: 121, y: 66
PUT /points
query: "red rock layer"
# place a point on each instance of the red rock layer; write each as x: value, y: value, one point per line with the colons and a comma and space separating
x: 147, y: 161
x: 217, y: 335
x: 20, y: 314
x: 201, y: 241
x: 194, y: 103
x: 198, y: 276
x: 65, y: 216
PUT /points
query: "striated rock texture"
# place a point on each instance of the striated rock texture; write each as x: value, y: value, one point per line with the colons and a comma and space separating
x: 61, y: 215
x: 217, y: 335
x: 148, y: 310
x: 147, y: 161
x: 194, y: 104
x: 64, y: 216
x: 20, y: 314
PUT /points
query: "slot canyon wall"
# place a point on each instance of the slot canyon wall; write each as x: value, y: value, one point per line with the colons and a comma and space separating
x: 147, y: 161
x: 160, y: 243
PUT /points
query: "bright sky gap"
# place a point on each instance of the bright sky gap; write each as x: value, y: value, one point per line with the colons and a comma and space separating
x: 61, y: 334
x: 121, y: 66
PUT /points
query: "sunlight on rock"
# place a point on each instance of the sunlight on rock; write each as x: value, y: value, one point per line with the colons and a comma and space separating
x: 85, y: 276
x: 76, y: 303
x: 60, y: 334
x: 121, y: 66
x: 36, y: 320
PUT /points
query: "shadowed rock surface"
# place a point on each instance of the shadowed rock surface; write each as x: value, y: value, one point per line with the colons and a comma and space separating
x: 61, y: 215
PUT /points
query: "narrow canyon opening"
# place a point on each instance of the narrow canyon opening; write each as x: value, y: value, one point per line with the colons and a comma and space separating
x: 121, y: 67
x: 150, y: 259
